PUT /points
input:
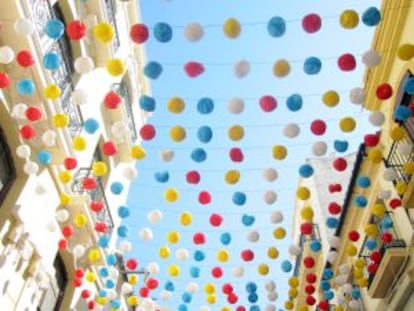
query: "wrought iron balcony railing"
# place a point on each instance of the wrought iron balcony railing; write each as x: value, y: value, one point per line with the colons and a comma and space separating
x: 396, y: 160
x: 110, y: 12
x: 97, y: 194
x: 302, y: 239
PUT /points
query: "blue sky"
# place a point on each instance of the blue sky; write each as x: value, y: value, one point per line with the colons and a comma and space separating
x: 262, y: 130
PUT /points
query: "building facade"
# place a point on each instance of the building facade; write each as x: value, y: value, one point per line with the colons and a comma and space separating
x: 66, y: 155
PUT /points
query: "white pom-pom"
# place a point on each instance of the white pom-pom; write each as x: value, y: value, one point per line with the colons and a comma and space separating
x: 192, y: 287
x: 193, y: 32
x: 165, y: 295
x: 146, y: 234
x: 154, y: 216
x: 319, y: 148
x: 357, y: 96
x: 331, y: 257
x: 344, y: 269
x: 272, y: 296
x: 384, y: 194
x: 371, y: 58
x: 253, y: 236
x: 238, y: 272
x: 24, y: 26
x: 270, y: 286
x: 167, y: 155
x: 270, y: 174
x: 130, y: 173
x: 182, y: 254
x: 270, y: 307
x: 236, y: 105
x: 294, y: 250
x: 79, y: 97
x: 405, y: 148
x: 23, y: 151
x: 389, y: 174
x: 62, y: 215
x: 153, y: 268
x: 334, y: 241
x: 6, y: 55
x: 270, y: 197
x: 242, y: 68
x: 377, y: 118
x: 354, y: 305
x: 84, y: 65
x: 291, y: 130
x: 276, y: 217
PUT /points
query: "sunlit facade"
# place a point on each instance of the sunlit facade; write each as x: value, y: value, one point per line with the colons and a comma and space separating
x: 42, y: 189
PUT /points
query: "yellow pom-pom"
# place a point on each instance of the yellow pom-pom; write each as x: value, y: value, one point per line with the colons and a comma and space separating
x: 362, y: 282
x: 115, y: 67
x: 65, y: 199
x: 279, y: 233
x: 80, y: 220
x: 133, y: 300
x: 371, y: 230
x: 359, y: 263
x: 307, y: 213
x: 174, y: 270
x: 303, y: 308
x: 330, y: 98
x: 99, y: 168
x: 236, y: 133
x: 349, y: 19
x: 60, y: 120
x: 397, y: 133
x: 171, y: 195
x: 347, y: 124
x: 281, y: 68
x: 378, y: 210
x: 101, y: 300
x: 52, y: 92
x: 164, y: 252
x: 173, y: 237
x: 211, y: 299
x: 351, y: 250
x: 272, y: 252
x: 222, y: 255
x: 186, y: 218
x: 303, y: 193
x: 176, y: 105
x: 375, y: 155
x: 232, y: 177
x: 339, y: 308
x: 226, y: 309
x: 90, y: 276
x: 293, y: 281
x: 103, y: 32
x: 177, y: 133
x: 405, y: 52
x: 401, y: 187
x: 358, y: 273
x: 293, y: 293
x: 289, y: 305
x: 65, y: 177
x: 79, y: 143
x: 263, y: 269
x: 133, y: 279
x: 94, y: 255
x: 409, y: 167
x: 279, y: 152
x: 232, y: 28
x: 137, y: 152
x: 209, y: 288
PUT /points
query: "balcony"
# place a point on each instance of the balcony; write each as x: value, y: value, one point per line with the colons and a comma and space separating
x: 110, y: 12
x: 302, y: 242
x: 393, y: 256
x: 97, y: 194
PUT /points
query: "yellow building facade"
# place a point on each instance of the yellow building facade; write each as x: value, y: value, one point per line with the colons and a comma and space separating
x: 58, y: 247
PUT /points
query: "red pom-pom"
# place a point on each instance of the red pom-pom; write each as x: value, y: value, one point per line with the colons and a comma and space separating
x: 335, y: 188
x: 77, y: 282
x: 240, y: 308
x: 247, y: 255
x: 311, y: 23
x: 151, y: 283
x: 204, y: 197
x: 232, y: 298
x: 371, y: 140
x: 384, y: 91
x: 139, y: 33
x: 340, y: 164
x: 62, y: 244
x: 89, y: 183
x: 306, y: 228
x: 375, y: 256
x: 193, y: 69
x: 318, y: 127
x: 70, y: 163
x: 236, y: 155
x: 227, y: 288
x: 79, y: 273
x: 199, y: 238
x: 309, y: 262
x: 27, y: 131
x: 372, y: 267
x: 216, y: 220
x: 193, y: 177
x: 347, y: 62
x: 25, y: 58
x: 311, y: 277
x: 323, y: 305
x: 96, y: 206
x: 85, y: 294
x: 4, y: 80
x: 387, y: 237
x: 217, y: 272
x: 144, y: 292
x: 334, y: 208
x: 147, y: 132
x: 309, y: 289
x: 33, y: 113
x: 394, y: 203
x: 101, y: 227
x: 76, y: 30
x: 109, y: 148
x: 67, y: 231
x: 353, y: 235
x: 131, y: 264
x: 310, y: 300
x: 268, y: 103
x: 91, y: 305
x: 112, y: 100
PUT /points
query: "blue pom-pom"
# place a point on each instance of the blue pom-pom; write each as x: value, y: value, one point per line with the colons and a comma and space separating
x: 371, y: 244
x: 408, y: 86
x: 248, y: 220
x: 54, y: 28
x: 254, y: 308
x: 312, y: 66
x: 371, y: 17
x: 104, y: 241
x: 356, y: 294
x: 91, y: 126
x: 115, y: 304
x: 199, y: 255
x: 225, y: 238
x: 187, y: 297
x: 204, y: 134
x: 162, y: 176
x: 111, y: 259
x: 251, y: 287
x: 51, y: 61
x: 25, y: 87
x: 110, y: 284
x: 205, y: 105
x: 124, y: 211
x: 327, y: 274
x: 253, y: 297
x: 195, y: 272
x: 306, y: 170
x: 198, y: 155
x: 239, y: 198
x: 276, y: 26
x: 341, y: 145
x: 363, y: 181
x: 147, y: 103
x: 332, y: 222
x: 122, y: 231
x: 386, y: 223
x: 153, y: 70
x: 102, y: 293
x: 163, y: 32
x: 315, y: 246
x: 182, y: 307
x: 104, y: 272
x: 169, y: 286
x: 294, y: 102
x: 325, y: 285
x: 360, y: 201
x: 402, y: 113
x: 329, y: 295
x: 286, y: 266
x: 44, y: 157
x: 117, y: 187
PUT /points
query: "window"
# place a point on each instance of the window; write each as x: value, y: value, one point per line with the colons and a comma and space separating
x: 7, y: 171
x: 52, y: 298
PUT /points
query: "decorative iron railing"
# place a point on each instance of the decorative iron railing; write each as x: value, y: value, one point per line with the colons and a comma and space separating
x: 97, y: 194
x: 302, y: 239
x: 396, y: 160
x: 110, y: 12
